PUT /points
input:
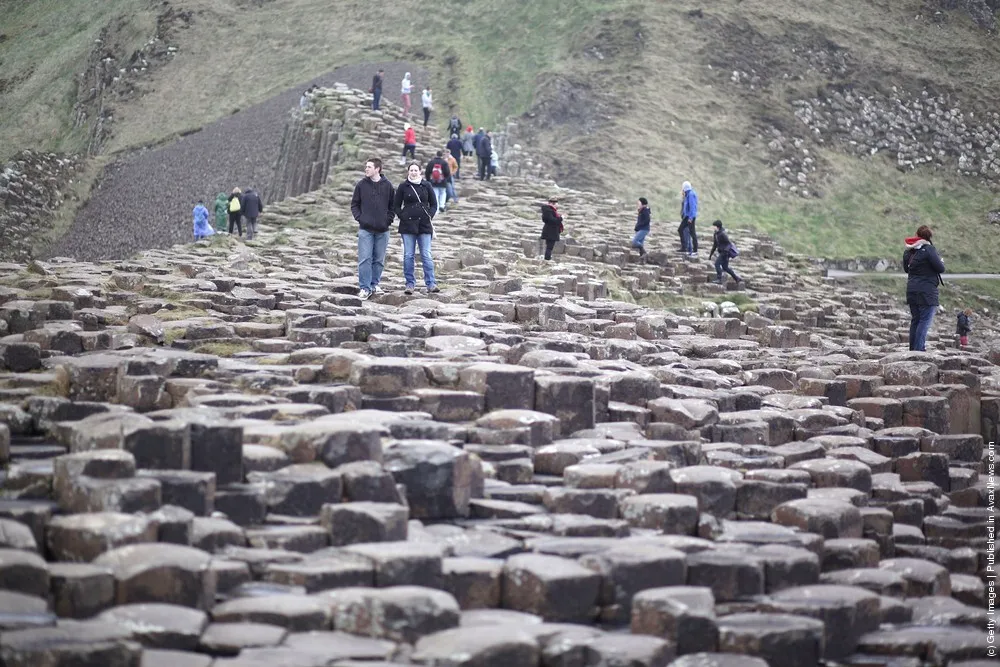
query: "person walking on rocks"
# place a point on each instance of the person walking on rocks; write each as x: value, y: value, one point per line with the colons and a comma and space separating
x: 453, y: 166
x: 484, y: 150
x: 202, y: 230
x: 476, y: 139
x: 404, y: 93
x: 923, y: 267
x: 371, y: 206
x: 468, y: 145
x: 235, y: 207
x: 427, y: 101
x: 689, y: 212
x: 552, y: 225
x: 438, y: 174
x: 409, y: 143
x: 221, y: 211
x: 964, y: 327
x: 454, y: 124
x: 376, y: 90
x: 415, y: 205
x: 726, y: 250
x: 454, y: 147
x: 641, y: 227
x: 252, y: 208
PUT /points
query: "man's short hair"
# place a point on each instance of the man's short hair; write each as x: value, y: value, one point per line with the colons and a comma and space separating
x: 642, y: 200
x: 439, y: 154
x: 375, y: 163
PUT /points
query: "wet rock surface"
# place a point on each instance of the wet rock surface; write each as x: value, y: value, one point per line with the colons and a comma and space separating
x: 217, y: 455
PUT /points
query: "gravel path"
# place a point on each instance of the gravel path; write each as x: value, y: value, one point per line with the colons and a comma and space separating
x: 145, y: 197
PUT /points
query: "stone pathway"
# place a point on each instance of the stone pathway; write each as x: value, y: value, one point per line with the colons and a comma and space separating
x: 219, y: 456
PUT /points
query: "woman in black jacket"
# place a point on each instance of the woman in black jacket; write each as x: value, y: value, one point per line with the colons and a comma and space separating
x: 415, y: 206
x: 924, y: 267
x: 551, y: 226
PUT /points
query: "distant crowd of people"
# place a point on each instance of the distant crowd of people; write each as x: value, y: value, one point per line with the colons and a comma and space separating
x: 234, y: 209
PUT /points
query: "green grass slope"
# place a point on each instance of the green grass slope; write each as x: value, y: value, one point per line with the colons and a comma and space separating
x: 628, y: 96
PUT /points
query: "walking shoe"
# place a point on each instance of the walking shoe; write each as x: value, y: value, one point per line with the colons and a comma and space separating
x: 408, y: 289
x: 434, y: 289
x: 364, y: 294
x: 374, y: 290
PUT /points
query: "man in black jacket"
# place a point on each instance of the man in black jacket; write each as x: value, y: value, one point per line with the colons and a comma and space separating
x: 371, y: 206
x: 721, y: 242
x: 252, y: 208
x: 377, y: 88
x: 437, y: 174
x: 454, y: 147
x: 484, y: 150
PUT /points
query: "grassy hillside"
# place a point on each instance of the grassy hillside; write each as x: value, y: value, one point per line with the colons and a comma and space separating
x: 625, y: 95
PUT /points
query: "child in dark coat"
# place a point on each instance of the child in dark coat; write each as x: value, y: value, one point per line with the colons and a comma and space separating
x: 964, y: 327
x: 552, y: 226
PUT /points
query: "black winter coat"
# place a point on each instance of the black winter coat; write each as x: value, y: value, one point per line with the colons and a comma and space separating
x: 454, y: 147
x: 415, y: 205
x: 551, y: 223
x: 371, y: 204
x: 485, y: 148
x: 720, y: 242
x: 924, y: 267
x: 642, y: 220
x: 229, y: 202
x: 963, y: 325
x: 252, y: 206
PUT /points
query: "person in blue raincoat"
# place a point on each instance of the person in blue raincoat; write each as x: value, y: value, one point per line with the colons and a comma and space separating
x: 202, y: 229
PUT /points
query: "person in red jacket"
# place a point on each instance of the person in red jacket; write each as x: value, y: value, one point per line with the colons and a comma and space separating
x: 409, y: 143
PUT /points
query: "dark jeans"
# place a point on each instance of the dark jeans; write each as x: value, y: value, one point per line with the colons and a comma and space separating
x: 427, y: 115
x: 484, y: 168
x: 376, y: 97
x: 694, y: 237
x: 411, y: 149
x: 549, y: 245
x: 236, y: 219
x: 921, y: 317
x: 722, y: 264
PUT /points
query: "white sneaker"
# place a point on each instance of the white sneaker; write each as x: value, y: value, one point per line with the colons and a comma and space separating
x: 374, y: 290
x: 364, y: 294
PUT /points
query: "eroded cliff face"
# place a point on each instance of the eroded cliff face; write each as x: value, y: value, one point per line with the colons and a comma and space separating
x: 33, y: 186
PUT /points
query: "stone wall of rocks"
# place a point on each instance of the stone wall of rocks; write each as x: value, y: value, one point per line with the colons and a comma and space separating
x: 33, y: 186
x: 218, y: 455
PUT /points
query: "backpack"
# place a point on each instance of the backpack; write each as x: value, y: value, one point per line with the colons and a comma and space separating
x: 234, y: 205
x: 437, y: 173
x: 733, y: 252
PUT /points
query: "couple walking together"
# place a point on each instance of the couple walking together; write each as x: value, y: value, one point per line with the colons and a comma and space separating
x: 374, y: 205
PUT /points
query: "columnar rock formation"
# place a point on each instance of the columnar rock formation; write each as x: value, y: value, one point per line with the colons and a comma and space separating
x: 219, y: 456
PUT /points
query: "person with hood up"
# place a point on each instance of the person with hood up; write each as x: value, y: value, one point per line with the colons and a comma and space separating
x: 964, y: 327
x: 552, y: 225
x: 371, y: 206
x: 438, y: 174
x: 454, y: 124
x: 484, y: 150
x: 721, y: 242
x: 415, y: 205
x: 689, y: 212
x: 235, y: 207
x: 923, y: 267
x: 252, y: 208
x: 404, y: 93
x: 202, y: 230
x: 427, y: 101
x: 409, y: 143
x: 221, y: 211
x: 454, y: 147
x: 468, y: 146
x: 641, y: 226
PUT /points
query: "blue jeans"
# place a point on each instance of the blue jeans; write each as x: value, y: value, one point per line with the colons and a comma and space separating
x: 452, y: 195
x: 410, y: 241
x: 722, y: 264
x: 921, y: 317
x: 686, y: 239
x: 376, y: 96
x: 441, y: 192
x: 371, y: 257
x: 639, y: 238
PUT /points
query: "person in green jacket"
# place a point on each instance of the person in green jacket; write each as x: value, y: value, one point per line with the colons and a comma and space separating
x: 221, y: 212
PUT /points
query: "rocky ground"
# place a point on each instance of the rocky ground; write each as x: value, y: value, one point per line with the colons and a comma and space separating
x: 219, y: 456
